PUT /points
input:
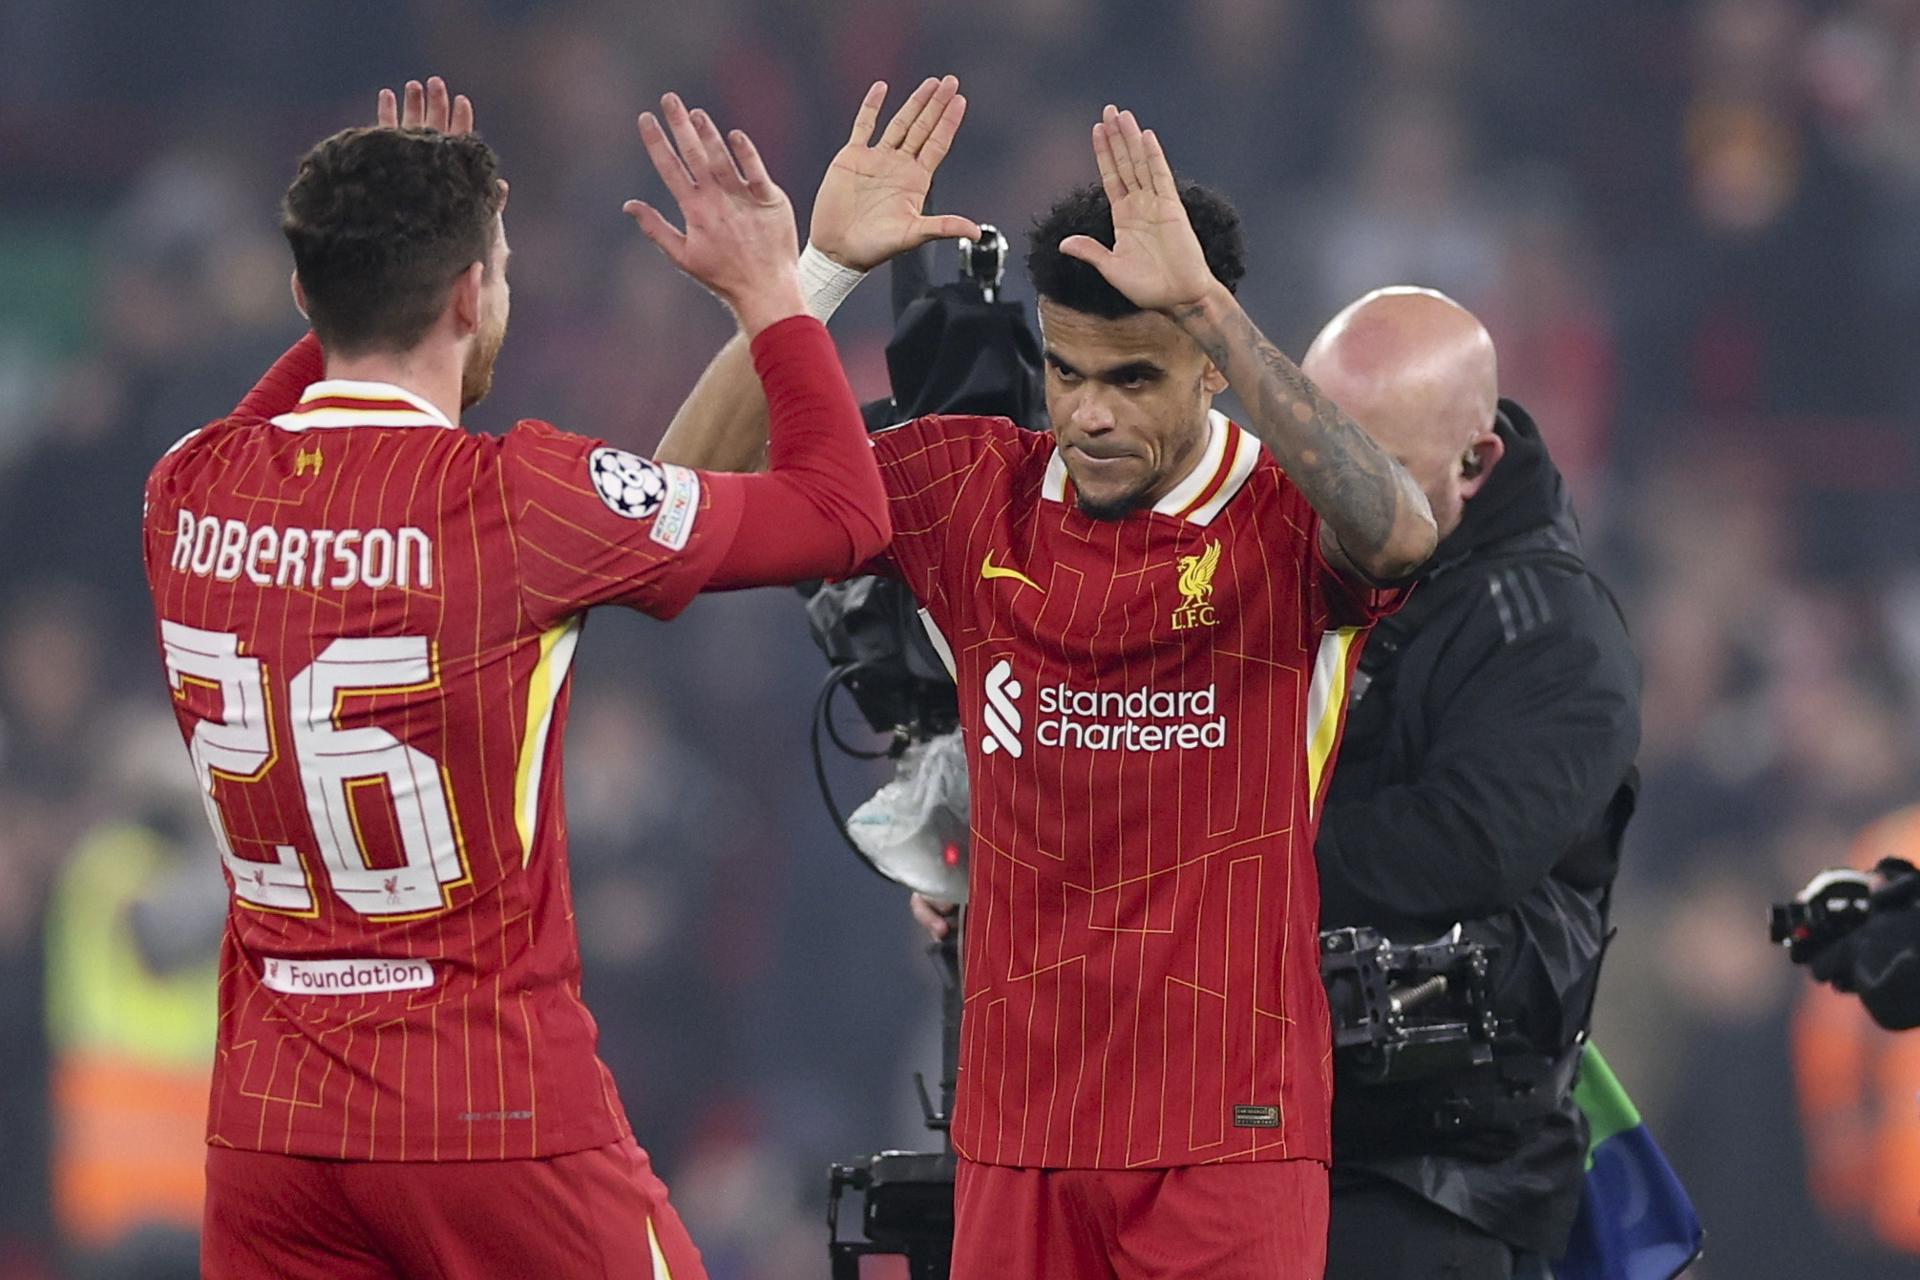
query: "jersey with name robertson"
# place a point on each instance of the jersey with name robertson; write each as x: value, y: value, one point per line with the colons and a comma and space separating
x: 1152, y: 705
x: 367, y: 618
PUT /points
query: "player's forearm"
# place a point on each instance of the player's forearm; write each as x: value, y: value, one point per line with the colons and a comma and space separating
x: 722, y: 426
x: 816, y: 439
x: 1374, y: 508
x: 281, y: 386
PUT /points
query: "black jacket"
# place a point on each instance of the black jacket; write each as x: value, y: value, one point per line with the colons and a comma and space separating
x: 1485, y: 779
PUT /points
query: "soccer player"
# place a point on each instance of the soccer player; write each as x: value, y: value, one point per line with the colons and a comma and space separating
x: 367, y: 616
x: 1153, y: 612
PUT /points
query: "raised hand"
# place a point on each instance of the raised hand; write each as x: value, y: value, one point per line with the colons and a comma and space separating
x: 740, y: 240
x: 1156, y: 260
x: 425, y: 107
x: 868, y: 208
x: 428, y: 106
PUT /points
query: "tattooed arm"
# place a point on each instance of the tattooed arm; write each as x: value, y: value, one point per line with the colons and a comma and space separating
x: 1375, y: 522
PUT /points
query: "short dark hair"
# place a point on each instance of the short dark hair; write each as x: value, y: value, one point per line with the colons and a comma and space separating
x: 1085, y: 211
x: 381, y: 222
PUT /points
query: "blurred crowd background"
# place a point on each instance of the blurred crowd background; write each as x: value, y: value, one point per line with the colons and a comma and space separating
x: 1694, y: 229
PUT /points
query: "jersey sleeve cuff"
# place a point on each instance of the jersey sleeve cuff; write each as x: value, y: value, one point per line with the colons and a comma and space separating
x: 784, y: 339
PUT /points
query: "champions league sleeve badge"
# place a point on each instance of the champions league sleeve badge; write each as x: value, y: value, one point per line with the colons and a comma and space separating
x: 630, y: 485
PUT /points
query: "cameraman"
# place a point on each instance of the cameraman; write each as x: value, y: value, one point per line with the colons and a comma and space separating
x: 1485, y: 779
x: 1879, y: 961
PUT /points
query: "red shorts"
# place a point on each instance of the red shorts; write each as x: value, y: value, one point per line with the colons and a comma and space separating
x: 1265, y: 1220
x: 599, y: 1213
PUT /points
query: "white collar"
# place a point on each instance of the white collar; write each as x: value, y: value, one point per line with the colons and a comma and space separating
x: 1226, y: 460
x: 342, y: 402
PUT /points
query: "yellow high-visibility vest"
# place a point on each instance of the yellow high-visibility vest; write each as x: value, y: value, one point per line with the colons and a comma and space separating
x: 132, y: 1051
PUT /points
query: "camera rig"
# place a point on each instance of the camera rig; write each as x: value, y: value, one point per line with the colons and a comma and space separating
x: 957, y: 348
x: 907, y: 1196
x: 1839, y: 900
x: 908, y: 1210
x: 1406, y: 1012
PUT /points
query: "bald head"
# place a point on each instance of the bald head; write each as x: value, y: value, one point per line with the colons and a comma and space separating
x: 1417, y: 371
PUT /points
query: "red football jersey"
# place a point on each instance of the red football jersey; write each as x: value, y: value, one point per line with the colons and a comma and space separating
x: 367, y: 616
x: 1151, y: 706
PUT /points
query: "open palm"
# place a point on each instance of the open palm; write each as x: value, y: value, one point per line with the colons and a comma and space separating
x: 1156, y: 259
x: 869, y: 205
x: 739, y: 239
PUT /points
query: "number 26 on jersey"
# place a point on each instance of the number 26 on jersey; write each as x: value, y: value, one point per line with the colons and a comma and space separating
x: 243, y: 742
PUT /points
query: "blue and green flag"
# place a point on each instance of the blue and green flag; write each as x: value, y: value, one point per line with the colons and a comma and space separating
x: 1635, y: 1220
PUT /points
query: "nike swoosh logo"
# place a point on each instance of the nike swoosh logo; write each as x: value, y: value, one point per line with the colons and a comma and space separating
x: 989, y: 571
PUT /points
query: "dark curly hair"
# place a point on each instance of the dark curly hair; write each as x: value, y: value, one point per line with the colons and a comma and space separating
x: 1085, y: 211
x: 381, y: 221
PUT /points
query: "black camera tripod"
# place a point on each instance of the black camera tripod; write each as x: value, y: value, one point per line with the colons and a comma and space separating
x: 907, y: 1207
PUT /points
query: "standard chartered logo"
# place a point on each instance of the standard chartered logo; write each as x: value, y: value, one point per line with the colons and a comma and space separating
x: 1101, y: 719
x: 1001, y: 713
